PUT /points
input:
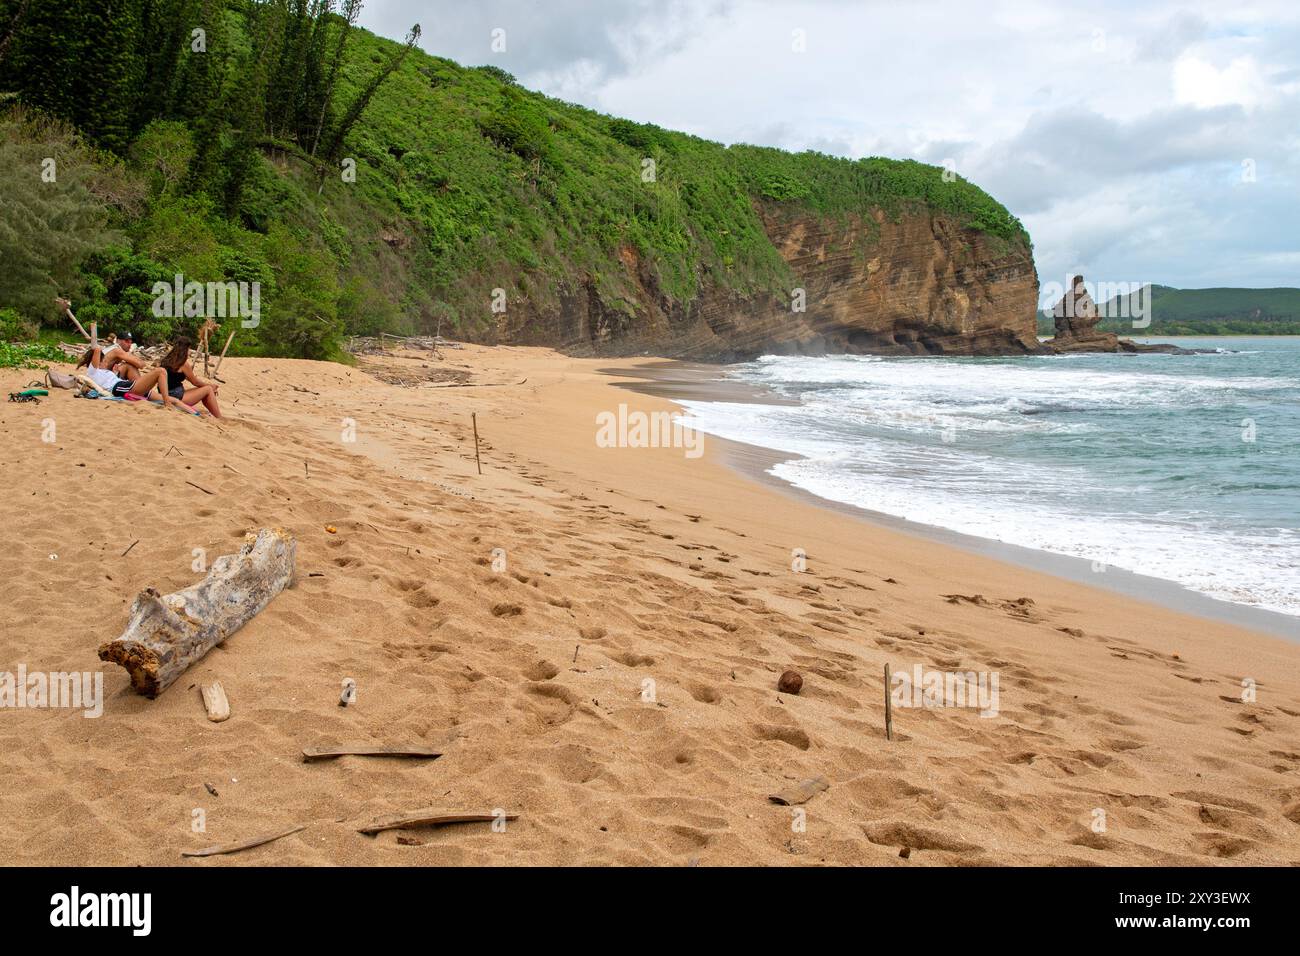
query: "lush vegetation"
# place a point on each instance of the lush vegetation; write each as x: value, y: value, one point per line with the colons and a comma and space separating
x: 28, y: 355
x: 1207, y: 312
x: 366, y: 185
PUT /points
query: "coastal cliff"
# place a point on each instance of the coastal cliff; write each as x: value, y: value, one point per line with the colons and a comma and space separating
x: 443, y: 199
x: 916, y: 284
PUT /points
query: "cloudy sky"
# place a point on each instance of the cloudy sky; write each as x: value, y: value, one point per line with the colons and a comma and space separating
x: 1138, y: 141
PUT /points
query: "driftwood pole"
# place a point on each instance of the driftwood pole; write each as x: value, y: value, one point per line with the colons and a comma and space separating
x: 474, y: 418
x: 67, y: 308
x: 216, y: 372
x: 889, y: 707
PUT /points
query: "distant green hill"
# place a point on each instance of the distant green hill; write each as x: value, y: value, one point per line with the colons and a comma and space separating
x: 1205, y: 312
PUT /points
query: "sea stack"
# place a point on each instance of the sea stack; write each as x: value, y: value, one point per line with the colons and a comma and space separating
x: 1076, y: 318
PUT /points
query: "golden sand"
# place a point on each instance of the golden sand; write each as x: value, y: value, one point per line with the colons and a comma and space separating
x: 609, y: 674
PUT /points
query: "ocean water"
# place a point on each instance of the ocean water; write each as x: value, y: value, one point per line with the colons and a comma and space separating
x: 1185, y: 468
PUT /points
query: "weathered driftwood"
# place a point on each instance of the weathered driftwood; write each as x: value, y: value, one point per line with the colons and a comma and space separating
x: 310, y: 754
x: 244, y: 844
x: 801, y: 792
x: 165, y: 634
x: 215, y: 701
x: 427, y: 818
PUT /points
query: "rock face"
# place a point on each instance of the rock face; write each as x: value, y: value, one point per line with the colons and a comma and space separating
x: 915, y: 285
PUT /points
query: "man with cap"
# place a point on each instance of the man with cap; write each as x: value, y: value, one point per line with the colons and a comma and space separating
x: 119, y: 359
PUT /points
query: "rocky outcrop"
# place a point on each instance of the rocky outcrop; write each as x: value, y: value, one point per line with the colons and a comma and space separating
x: 918, y: 284
x: 1075, y: 318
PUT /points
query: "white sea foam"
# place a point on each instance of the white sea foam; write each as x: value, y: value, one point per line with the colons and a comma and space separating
x: 1018, y: 452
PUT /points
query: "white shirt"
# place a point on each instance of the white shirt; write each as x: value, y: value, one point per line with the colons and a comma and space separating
x: 102, y: 377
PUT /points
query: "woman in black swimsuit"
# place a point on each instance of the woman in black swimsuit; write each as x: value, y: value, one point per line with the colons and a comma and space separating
x: 180, y: 373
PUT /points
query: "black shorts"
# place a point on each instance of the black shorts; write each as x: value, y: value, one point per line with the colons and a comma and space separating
x: 177, y: 392
x: 121, y: 388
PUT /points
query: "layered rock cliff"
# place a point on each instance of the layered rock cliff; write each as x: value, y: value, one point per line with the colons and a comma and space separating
x: 916, y: 284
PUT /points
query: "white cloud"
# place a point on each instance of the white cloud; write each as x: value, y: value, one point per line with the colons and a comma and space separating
x: 1201, y: 84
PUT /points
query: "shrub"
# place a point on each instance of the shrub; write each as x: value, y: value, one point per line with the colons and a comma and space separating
x: 519, y: 126
x: 13, y: 327
x: 783, y: 188
x: 498, y: 74
x: 164, y: 151
x: 637, y: 135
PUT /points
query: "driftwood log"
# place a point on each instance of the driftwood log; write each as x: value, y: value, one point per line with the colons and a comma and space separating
x: 165, y: 634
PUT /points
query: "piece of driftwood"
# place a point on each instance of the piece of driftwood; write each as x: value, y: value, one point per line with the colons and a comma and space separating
x: 427, y: 818
x: 215, y: 701
x: 476, y: 384
x: 474, y: 418
x: 245, y: 845
x: 801, y: 792
x: 310, y: 754
x: 217, y: 371
x: 889, y: 705
x: 165, y: 634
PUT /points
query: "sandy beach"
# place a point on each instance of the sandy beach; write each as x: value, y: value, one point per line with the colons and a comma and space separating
x: 593, y: 637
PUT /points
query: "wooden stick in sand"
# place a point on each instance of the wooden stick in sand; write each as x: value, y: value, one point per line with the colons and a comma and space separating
x: 310, y: 754
x: 216, y: 372
x: 474, y: 418
x: 245, y: 845
x: 67, y: 308
x: 427, y: 818
x: 889, y: 707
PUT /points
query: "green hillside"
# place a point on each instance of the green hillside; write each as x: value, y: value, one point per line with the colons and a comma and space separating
x: 235, y: 164
x: 1206, y: 312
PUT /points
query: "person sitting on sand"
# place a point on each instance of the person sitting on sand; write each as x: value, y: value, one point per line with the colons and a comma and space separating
x: 118, y: 358
x: 180, y: 371
x: 109, y: 383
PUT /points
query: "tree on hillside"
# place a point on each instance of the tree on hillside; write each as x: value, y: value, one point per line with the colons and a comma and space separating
x: 362, y: 100
x: 10, y: 20
x: 349, y: 13
x: 51, y: 221
x: 165, y: 53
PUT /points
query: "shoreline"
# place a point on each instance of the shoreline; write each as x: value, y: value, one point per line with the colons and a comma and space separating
x: 677, y: 380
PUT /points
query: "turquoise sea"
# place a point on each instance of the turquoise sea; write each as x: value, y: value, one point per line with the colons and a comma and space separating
x: 1182, y: 467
